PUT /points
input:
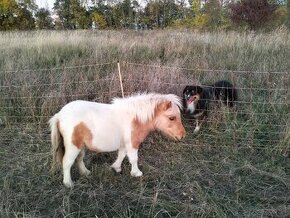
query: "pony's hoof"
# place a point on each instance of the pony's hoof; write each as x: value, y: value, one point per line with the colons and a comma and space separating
x: 117, y: 169
x: 136, y: 174
x: 68, y: 184
x: 86, y: 173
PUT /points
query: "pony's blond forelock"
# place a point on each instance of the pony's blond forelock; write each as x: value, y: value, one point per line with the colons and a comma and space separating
x: 143, y: 105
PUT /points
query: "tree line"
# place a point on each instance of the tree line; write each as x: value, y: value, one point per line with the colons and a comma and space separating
x: 129, y: 14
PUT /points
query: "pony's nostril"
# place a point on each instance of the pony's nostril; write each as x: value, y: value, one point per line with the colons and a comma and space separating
x: 183, y: 133
x: 181, y: 136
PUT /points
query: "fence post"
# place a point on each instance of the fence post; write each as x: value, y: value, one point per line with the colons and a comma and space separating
x: 120, y: 78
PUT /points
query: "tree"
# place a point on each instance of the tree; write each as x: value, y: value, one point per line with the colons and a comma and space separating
x: 62, y: 8
x: 81, y: 17
x: 43, y: 19
x: 99, y: 20
x: 196, y: 7
x: 72, y: 14
x: 30, y: 5
x: 254, y: 13
x: 102, y: 11
x: 213, y: 11
x: 23, y: 18
x: 152, y: 12
x: 123, y: 14
x: 162, y: 13
x: 7, y: 11
x: 16, y: 16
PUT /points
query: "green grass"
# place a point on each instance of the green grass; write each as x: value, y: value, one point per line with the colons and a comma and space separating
x: 236, y: 166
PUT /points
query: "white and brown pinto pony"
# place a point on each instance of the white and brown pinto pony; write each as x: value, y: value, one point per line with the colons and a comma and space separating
x: 122, y: 125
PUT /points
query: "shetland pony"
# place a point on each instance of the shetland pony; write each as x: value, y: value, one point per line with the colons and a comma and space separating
x: 197, y: 99
x: 122, y: 125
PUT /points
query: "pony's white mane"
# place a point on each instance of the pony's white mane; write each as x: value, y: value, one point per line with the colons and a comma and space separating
x: 143, y: 105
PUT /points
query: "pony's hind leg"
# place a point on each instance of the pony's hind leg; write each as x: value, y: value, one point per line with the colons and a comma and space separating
x: 71, y: 152
x: 81, y: 165
x: 121, y: 155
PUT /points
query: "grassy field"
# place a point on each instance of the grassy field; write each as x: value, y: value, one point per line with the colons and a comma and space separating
x: 237, y: 166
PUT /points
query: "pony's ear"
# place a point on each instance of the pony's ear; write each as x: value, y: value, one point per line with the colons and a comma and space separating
x: 166, y: 105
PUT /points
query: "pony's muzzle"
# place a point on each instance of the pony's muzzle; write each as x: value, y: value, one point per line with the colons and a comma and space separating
x: 181, y: 135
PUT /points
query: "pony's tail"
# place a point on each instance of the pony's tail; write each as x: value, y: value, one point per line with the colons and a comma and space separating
x: 57, y: 146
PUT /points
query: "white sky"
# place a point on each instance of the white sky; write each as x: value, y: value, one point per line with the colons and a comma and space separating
x: 48, y: 4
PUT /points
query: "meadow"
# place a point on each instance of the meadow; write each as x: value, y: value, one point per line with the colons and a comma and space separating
x: 237, y: 166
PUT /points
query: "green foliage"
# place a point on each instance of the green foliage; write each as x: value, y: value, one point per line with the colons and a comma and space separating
x: 72, y: 15
x: 196, y: 7
x: 7, y: 10
x: 211, y: 16
x: 24, y: 19
x: 203, y: 15
x: 100, y: 20
x: 81, y: 17
x: 123, y: 14
x: 7, y: 6
x: 29, y: 4
x: 43, y: 19
x: 213, y: 11
x: 200, y: 21
x: 279, y: 17
x: 161, y: 14
x: 14, y: 16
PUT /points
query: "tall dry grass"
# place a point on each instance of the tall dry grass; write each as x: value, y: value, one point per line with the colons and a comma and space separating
x: 220, y: 50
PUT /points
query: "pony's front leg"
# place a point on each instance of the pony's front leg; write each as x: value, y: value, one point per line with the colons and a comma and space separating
x: 117, y: 164
x: 132, y: 154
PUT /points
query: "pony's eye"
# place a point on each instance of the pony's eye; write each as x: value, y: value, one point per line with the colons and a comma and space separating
x: 172, y: 118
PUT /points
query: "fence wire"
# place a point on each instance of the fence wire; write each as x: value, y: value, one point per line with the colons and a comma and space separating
x: 259, y: 120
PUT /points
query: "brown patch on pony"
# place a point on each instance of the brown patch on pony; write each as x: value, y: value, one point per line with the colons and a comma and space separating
x: 82, y: 136
x: 139, y: 132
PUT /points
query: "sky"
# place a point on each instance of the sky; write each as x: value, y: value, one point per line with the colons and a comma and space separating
x: 48, y: 4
